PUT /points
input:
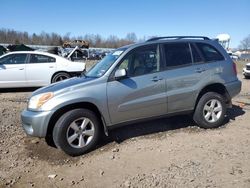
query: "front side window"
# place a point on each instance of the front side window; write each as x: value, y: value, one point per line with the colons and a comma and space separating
x: 177, y: 54
x: 143, y: 60
x: 209, y: 52
x: 37, y: 58
x: 13, y: 59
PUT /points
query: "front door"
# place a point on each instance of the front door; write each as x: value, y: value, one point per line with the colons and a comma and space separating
x: 12, y: 70
x: 142, y: 93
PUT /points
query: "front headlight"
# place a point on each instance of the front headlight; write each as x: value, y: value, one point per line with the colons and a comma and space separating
x: 37, y: 101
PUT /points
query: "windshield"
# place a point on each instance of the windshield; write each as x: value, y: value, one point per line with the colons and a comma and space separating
x: 101, y: 67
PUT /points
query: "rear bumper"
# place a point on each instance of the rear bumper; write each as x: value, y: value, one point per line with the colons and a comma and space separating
x: 233, y: 88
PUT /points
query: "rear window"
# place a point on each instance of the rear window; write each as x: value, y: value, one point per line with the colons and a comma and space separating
x: 177, y: 54
x: 209, y: 52
x: 37, y: 58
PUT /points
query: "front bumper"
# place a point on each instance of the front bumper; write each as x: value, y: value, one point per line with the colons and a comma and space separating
x: 246, y: 72
x: 36, y: 123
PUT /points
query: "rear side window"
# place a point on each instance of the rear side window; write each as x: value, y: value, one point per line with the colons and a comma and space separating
x: 209, y: 52
x: 177, y: 54
x: 37, y: 58
x: 196, y: 56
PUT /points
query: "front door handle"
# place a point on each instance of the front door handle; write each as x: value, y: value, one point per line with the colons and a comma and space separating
x: 156, y: 79
x: 21, y: 69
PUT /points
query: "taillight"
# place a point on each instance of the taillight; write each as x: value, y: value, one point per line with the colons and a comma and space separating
x: 235, y: 68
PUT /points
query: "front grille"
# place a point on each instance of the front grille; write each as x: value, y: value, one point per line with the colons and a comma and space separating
x: 248, y: 67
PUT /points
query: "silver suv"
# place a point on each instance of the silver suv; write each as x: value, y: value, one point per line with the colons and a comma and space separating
x: 162, y: 76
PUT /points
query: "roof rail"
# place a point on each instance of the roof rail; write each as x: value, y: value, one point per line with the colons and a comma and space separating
x: 178, y: 37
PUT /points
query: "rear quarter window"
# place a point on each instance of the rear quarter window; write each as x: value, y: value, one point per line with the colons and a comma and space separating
x: 209, y: 52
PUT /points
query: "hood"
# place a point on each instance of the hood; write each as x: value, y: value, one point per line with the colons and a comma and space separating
x: 64, y: 85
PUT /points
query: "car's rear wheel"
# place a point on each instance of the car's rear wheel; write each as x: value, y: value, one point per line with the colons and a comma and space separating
x: 210, y: 110
x: 77, y: 132
x: 60, y: 76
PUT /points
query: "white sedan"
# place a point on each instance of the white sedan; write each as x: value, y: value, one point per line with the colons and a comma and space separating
x: 35, y: 69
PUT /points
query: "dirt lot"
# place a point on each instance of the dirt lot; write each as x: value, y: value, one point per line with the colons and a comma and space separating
x: 169, y: 152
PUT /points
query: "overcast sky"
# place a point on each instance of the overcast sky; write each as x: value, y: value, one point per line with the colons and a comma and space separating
x: 119, y: 17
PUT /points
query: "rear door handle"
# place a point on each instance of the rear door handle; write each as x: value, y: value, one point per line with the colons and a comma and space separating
x: 21, y: 69
x: 156, y: 79
x: 200, y: 70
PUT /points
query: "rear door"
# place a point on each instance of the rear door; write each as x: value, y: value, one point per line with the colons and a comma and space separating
x: 185, y: 75
x: 12, y: 70
x: 39, y: 69
x: 142, y: 93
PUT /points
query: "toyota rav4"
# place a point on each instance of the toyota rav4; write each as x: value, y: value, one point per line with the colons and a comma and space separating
x: 159, y: 77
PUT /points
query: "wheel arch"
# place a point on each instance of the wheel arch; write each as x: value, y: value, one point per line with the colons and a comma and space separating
x: 58, y: 113
x: 215, y: 87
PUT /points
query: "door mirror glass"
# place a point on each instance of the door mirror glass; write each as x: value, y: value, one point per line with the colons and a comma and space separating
x: 120, y: 73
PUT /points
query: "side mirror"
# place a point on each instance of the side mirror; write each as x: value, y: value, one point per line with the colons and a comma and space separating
x: 120, y: 73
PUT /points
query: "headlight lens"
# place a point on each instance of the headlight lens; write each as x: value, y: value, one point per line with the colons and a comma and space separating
x: 38, y: 101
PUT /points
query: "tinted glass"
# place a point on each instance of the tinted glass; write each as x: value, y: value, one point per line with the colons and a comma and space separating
x: 209, y: 52
x: 13, y: 59
x: 177, y: 54
x: 196, y: 57
x: 37, y: 58
x: 144, y: 60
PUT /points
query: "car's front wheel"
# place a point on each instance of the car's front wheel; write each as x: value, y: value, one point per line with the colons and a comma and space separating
x: 210, y: 110
x: 77, y: 132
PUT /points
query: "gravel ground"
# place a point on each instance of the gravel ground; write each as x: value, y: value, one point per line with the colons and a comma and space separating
x: 169, y: 152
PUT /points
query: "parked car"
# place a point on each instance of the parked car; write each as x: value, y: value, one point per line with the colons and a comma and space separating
x: 74, y: 43
x: 159, y: 77
x: 35, y: 69
x: 246, y: 71
x: 233, y: 56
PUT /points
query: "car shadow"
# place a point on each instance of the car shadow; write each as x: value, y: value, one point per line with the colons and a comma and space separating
x: 121, y: 134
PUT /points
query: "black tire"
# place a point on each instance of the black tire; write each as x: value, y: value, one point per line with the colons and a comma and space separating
x: 247, y: 77
x: 63, y: 131
x: 206, y: 115
x: 59, y: 77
